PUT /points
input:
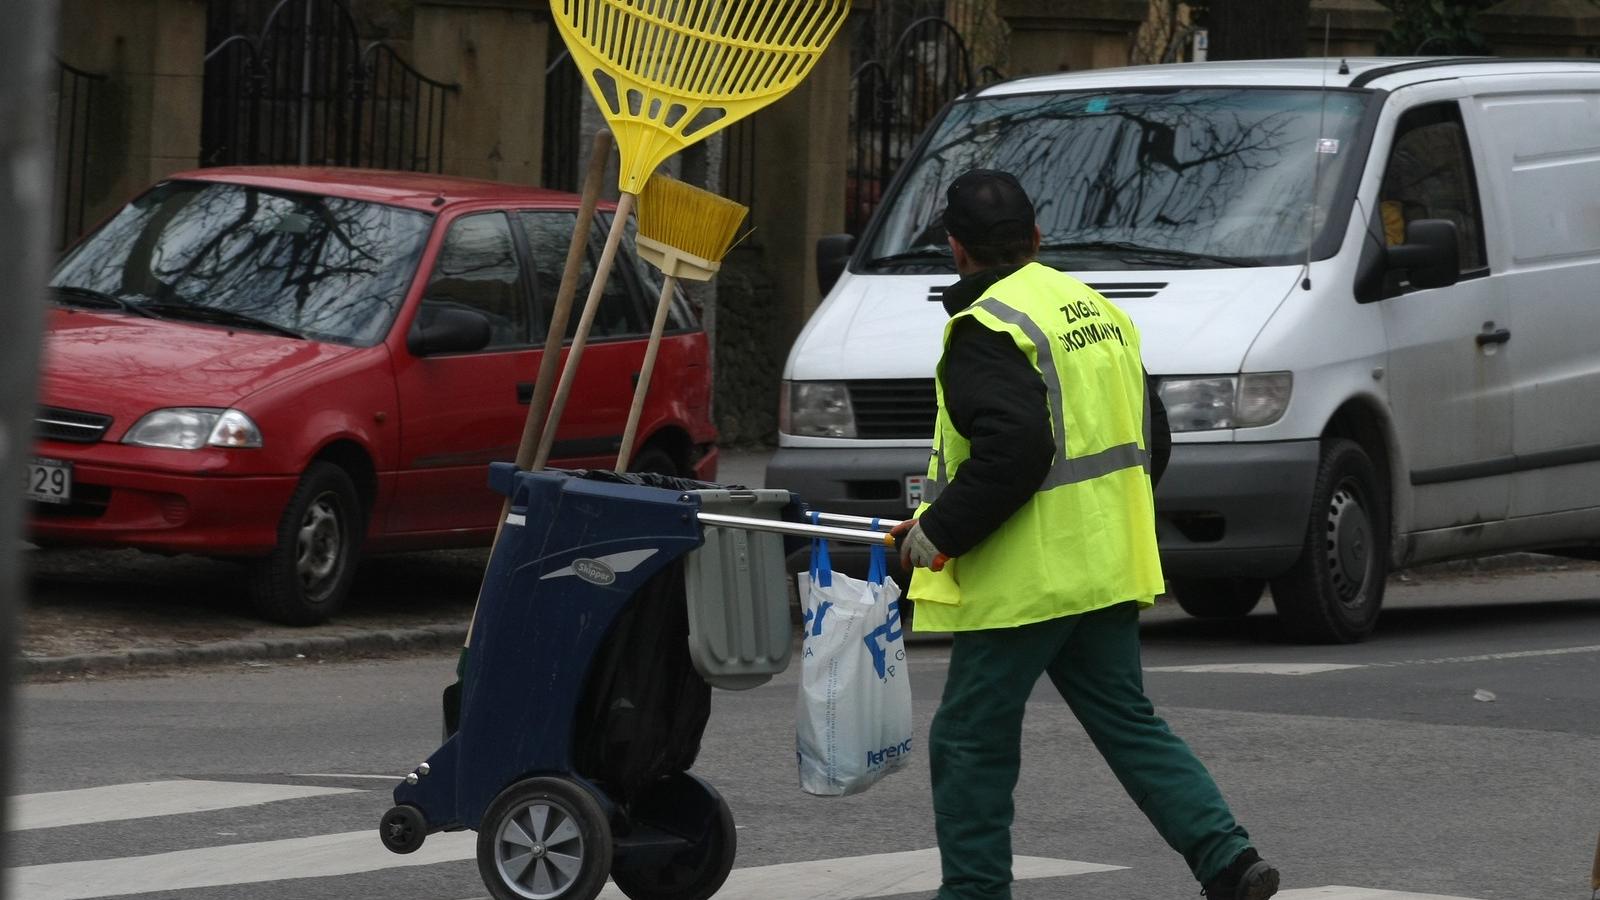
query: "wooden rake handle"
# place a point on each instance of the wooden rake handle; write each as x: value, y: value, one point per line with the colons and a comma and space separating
x: 591, y: 305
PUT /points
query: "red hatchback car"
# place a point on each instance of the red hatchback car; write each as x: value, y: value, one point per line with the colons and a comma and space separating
x: 293, y: 366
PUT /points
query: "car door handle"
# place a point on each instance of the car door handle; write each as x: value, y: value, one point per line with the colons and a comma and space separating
x: 524, y: 392
x: 1498, y: 336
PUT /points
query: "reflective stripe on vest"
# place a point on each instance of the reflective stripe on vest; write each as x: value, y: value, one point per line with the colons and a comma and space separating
x: 1064, y: 469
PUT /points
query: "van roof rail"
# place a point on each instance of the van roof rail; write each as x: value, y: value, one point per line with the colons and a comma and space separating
x: 1370, y: 75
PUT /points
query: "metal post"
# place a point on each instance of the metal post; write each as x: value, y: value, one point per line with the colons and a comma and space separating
x: 25, y: 168
x: 305, y: 89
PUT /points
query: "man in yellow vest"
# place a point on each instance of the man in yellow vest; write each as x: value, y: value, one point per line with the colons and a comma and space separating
x: 1036, y: 547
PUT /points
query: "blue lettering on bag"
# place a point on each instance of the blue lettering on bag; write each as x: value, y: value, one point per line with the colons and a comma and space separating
x: 890, y: 631
x: 877, y: 758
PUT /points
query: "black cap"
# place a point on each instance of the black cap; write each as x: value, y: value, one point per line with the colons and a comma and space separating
x: 987, y: 207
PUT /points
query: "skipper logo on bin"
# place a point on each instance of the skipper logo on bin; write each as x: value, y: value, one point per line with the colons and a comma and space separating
x: 593, y: 571
x: 877, y: 758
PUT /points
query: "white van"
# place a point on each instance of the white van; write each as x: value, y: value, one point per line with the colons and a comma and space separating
x: 1368, y: 290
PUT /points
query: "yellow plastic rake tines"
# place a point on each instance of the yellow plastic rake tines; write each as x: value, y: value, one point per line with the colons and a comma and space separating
x: 668, y: 73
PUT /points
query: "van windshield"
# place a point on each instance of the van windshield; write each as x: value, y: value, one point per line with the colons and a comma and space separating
x: 324, y: 268
x: 1142, y: 179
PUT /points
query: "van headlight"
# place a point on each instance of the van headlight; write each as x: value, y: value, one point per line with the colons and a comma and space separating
x: 816, y: 409
x: 190, y: 428
x: 1229, y: 401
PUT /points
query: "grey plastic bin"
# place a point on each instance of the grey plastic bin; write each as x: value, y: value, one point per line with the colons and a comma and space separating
x: 740, y: 631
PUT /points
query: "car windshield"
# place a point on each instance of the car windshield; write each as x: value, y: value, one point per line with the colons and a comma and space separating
x: 325, y: 268
x: 1153, y: 178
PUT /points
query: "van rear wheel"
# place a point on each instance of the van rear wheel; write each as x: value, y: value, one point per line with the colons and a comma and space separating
x: 1334, y: 591
x: 1218, y: 598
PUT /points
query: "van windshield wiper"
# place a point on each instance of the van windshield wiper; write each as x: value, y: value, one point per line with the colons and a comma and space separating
x: 177, y: 309
x: 74, y: 295
x: 925, y: 254
x: 1144, y: 250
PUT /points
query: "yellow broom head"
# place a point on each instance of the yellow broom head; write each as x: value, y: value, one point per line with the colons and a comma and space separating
x: 685, y: 231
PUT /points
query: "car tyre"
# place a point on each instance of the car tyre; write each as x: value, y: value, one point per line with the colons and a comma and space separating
x: 305, y: 578
x: 1333, y: 592
x: 1218, y: 598
x: 656, y: 461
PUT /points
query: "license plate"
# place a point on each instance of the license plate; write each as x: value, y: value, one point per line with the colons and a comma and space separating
x: 914, y: 485
x: 49, y: 481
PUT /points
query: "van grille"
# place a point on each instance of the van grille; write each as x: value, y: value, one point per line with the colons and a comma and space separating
x: 893, y: 408
x: 56, y: 424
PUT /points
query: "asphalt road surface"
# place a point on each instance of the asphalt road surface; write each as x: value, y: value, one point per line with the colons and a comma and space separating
x: 1456, y: 755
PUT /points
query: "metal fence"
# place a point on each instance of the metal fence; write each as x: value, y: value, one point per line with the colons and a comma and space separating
x: 75, y: 98
x: 304, y: 92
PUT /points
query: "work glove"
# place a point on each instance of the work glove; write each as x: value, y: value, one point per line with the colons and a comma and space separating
x: 916, y: 548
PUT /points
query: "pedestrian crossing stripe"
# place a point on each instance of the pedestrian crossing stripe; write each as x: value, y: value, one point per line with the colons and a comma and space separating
x: 146, y: 799
x: 1339, y: 892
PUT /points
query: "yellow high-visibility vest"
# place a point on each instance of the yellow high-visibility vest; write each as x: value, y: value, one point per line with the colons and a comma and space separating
x: 1087, y: 539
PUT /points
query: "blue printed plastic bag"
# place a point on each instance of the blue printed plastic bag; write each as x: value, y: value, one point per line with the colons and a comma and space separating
x: 854, y: 715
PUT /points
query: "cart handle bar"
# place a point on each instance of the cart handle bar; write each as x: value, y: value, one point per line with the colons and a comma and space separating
x: 797, y: 529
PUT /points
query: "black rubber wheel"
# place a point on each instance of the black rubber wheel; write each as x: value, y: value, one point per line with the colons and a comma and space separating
x: 544, y: 839
x: 1218, y: 598
x: 403, y: 829
x: 685, y: 806
x: 1334, y: 591
x: 305, y: 578
x: 657, y: 461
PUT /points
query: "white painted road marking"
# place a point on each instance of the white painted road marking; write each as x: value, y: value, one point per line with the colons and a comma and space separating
x: 310, y: 857
x: 1259, y: 668
x: 879, y: 875
x: 1492, y: 657
x: 149, y: 798
x: 1340, y: 892
x: 359, y: 851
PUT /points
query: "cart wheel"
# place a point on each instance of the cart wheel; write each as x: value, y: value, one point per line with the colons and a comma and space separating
x: 542, y: 839
x: 403, y: 829
x: 688, y: 807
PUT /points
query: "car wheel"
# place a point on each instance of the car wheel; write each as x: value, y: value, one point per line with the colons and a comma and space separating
x: 303, y: 581
x: 1333, y: 592
x: 655, y: 460
x: 544, y: 839
x: 1217, y: 598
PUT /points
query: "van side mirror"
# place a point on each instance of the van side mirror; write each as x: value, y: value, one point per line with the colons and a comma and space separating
x: 1431, y: 255
x: 833, y: 254
x: 447, y: 329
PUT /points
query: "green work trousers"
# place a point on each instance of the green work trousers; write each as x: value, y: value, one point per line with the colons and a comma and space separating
x: 976, y: 740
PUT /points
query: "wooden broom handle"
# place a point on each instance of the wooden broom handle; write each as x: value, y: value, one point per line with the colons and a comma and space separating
x: 544, y: 385
x: 533, y: 427
x: 590, y: 306
x: 642, y: 389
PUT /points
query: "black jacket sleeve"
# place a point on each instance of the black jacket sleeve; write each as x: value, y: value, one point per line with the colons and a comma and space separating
x: 997, y: 401
x: 1160, y: 433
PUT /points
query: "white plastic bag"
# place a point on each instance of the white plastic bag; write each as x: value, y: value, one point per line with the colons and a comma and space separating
x: 854, y: 716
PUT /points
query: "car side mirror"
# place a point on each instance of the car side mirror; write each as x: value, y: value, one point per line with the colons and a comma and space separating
x: 833, y: 254
x: 448, y: 329
x: 1431, y: 255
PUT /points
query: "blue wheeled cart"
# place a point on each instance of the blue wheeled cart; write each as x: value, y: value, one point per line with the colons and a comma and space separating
x: 607, y: 610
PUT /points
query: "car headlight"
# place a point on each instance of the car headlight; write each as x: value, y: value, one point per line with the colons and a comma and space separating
x: 816, y: 409
x: 1229, y: 401
x: 190, y: 428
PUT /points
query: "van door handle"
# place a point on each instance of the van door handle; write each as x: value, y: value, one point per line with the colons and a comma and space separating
x: 524, y: 392
x: 1498, y: 336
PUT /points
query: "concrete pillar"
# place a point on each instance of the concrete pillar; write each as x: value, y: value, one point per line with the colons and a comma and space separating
x: 1541, y: 28
x: 1070, y: 35
x: 800, y: 157
x: 1351, y: 27
x: 147, y: 111
x: 496, y: 51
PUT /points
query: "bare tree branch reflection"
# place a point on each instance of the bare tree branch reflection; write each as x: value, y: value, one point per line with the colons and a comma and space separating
x: 330, y: 268
x: 1219, y: 171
